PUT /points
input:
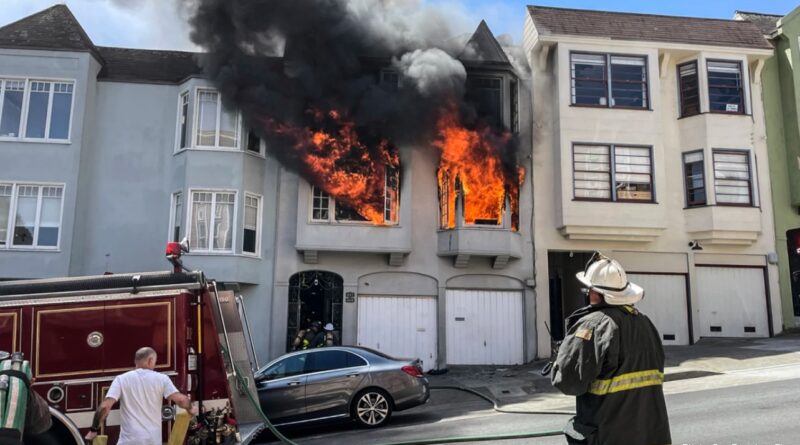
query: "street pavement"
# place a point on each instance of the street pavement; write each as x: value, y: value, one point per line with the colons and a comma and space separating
x: 719, y: 391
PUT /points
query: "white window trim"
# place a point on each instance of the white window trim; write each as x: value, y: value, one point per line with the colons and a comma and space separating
x: 172, y: 214
x: 331, y: 208
x: 257, y: 253
x: 196, y: 120
x: 332, y: 213
x: 23, y: 125
x: 12, y: 218
x: 189, y: 129
x: 190, y: 208
x: 752, y: 164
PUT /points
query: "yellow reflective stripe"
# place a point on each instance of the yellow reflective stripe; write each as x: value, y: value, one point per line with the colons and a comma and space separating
x: 626, y: 382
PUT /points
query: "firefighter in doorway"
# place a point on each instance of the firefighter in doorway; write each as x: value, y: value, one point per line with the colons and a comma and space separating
x: 305, y: 337
x: 612, y: 360
x: 326, y: 338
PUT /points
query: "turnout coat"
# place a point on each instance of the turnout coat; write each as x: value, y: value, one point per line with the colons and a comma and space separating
x: 613, y: 361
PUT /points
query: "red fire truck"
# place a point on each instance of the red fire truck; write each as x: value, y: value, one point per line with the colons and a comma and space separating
x: 81, y: 332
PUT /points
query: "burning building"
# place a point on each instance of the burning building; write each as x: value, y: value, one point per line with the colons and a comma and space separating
x: 402, y: 214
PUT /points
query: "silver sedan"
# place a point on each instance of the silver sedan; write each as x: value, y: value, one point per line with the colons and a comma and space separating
x: 339, y: 383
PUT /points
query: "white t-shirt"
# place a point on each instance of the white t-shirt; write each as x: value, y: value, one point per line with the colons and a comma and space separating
x: 140, y: 393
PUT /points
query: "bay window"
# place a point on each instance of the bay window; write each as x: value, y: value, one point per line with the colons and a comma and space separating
x: 689, y: 89
x: 216, y: 127
x: 252, y: 215
x: 725, y: 87
x: 694, y: 178
x: 612, y: 173
x: 183, y: 121
x: 325, y: 209
x: 606, y: 80
x: 211, y: 227
x: 732, y: 177
x: 39, y: 110
x: 176, y: 217
x: 30, y: 215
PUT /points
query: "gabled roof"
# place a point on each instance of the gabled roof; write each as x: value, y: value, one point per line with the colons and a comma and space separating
x: 647, y: 27
x: 483, y: 47
x: 767, y: 23
x: 54, y: 28
x: 147, y: 65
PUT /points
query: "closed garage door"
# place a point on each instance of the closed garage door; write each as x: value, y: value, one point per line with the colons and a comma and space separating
x: 484, y: 327
x: 402, y: 327
x: 732, y: 302
x: 665, y: 304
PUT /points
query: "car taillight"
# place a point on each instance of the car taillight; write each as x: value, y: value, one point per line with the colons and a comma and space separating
x: 413, y: 371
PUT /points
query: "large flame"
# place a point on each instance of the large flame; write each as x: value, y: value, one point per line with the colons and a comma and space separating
x: 471, y: 166
x: 335, y: 159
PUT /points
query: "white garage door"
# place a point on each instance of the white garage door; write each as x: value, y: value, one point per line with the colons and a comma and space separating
x: 484, y: 327
x: 732, y: 302
x: 402, y: 327
x: 665, y: 304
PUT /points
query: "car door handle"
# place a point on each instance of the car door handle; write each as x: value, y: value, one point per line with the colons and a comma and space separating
x: 355, y: 374
x: 295, y: 383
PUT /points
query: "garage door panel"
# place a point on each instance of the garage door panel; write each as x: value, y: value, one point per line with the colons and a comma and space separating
x: 664, y: 303
x: 732, y: 302
x: 402, y: 327
x: 484, y: 327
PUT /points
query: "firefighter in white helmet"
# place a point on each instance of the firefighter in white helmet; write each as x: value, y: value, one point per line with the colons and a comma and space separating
x: 612, y: 360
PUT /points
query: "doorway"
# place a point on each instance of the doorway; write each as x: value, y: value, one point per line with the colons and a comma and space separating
x: 314, y: 295
x: 793, y: 244
x: 565, y: 290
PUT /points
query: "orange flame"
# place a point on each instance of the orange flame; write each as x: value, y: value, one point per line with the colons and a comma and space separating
x: 471, y: 167
x: 334, y: 159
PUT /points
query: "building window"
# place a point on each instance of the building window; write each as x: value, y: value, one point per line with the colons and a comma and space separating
x: 47, y: 114
x: 391, y: 199
x: 183, y: 121
x: 320, y: 206
x: 631, y: 176
x: 325, y: 209
x: 694, y: 178
x: 596, y: 77
x: 30, y: 215
x: 689, y: 88
x: 252, y: 212
x: 216, y: 126
x: 485, y: 94
x: 253, y: 144
x: 725, y: 87
x: 732, y: 178
x: 212, y: 221
x: 177, y: 217
x: 514, y: 104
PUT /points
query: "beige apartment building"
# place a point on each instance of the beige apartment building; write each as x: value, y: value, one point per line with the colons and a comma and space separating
x: 649, y: 145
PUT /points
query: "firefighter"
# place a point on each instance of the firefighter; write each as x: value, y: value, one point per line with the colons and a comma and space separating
x: 305, y: 337
x: 326, y: 338
x: 612, y: 360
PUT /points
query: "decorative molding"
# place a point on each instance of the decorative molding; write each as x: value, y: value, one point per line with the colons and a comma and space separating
x: 757, y: 67
x: 611, y: 233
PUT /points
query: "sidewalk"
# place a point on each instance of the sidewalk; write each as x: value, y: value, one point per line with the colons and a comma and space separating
x: 523, y: 386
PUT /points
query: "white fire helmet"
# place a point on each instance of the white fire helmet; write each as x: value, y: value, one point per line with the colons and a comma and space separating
x: 328, y: 326
x: 607, y: 277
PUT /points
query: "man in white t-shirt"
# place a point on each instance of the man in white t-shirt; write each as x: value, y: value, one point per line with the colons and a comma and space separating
x: 140, y: 393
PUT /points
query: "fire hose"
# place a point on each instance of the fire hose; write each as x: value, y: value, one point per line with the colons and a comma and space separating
x: 441, y: 440
x: 14, y: 380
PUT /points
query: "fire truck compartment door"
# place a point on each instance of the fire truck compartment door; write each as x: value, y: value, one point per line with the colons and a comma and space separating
x: 231, y: 337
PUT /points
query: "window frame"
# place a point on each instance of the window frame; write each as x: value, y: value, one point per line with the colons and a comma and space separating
x: 332, y: 210
x: 678, y: 67
x: 12, y: 217
x: 608, y: 81
x: 23, y: 124
x: 246, y: 131
x: 686, y: 188
x: 743, y: 88
x: 259, y: 208
x: 196, y: 123
x: 612, y: 173
x: 234, y: 223
x: 174, y: 218
x: 189, y: 125
x: 501, y: 89
x: 750, y: 176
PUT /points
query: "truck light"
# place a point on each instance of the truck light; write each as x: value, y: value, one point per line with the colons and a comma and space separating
x: 173, y: 250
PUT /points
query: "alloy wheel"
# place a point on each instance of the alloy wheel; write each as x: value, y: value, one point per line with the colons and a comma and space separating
x: 372, y: 409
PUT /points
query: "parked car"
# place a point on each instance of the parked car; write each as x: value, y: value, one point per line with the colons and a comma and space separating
x: 339, y: 383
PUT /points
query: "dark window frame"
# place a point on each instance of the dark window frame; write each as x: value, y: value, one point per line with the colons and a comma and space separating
x: 471, y: 97
x: 612, y: 173
x: 742, y: 92
x: 750, y: 175
x: 686, y: 187
x: 681, y: 89
x: 608, y: 81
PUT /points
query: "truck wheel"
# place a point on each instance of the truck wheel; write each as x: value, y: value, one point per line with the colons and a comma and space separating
x: 372, y: 408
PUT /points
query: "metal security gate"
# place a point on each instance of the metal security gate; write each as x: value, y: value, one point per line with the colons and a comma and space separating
x: 484, y: 327
x: 732, y: 301
x: 402, y: 327
x: 665, y: 304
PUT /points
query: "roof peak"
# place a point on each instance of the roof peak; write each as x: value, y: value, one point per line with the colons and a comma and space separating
x: 54, y: 28
x: 484, y: 46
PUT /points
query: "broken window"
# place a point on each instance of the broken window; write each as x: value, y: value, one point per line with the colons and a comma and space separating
x: 325, y: 209
x: 485, y: 94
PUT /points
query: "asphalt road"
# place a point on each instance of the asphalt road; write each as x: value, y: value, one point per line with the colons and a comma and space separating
x: 751, y: 414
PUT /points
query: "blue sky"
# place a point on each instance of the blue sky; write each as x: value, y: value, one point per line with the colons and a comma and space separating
x: 160, y: 24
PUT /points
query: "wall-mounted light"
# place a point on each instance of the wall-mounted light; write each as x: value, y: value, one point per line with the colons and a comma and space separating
x: 695, y: 245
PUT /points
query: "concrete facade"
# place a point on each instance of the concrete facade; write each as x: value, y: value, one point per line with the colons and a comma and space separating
x: 653, y: 237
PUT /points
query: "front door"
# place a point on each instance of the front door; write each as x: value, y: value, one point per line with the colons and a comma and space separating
x: 314, y: 296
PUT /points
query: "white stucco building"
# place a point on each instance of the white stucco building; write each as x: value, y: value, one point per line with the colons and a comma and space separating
x: 649, y: 145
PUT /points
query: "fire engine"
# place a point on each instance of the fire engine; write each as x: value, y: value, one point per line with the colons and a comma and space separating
x: 80, y: 332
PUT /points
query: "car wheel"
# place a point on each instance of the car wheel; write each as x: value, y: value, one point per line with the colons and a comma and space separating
x: 372, y: 408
